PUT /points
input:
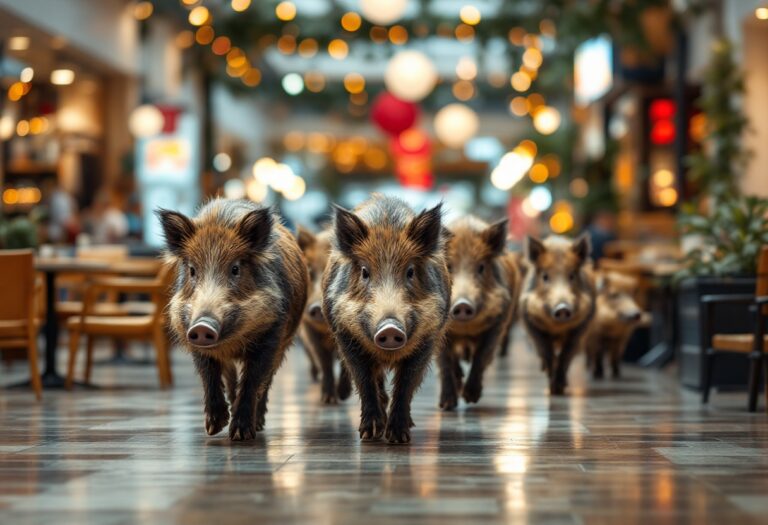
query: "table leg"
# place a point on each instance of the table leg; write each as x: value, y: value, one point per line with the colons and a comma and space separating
x: 51, y: 377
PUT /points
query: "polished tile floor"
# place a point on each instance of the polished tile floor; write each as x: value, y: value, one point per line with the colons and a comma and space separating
x: 634, y: 451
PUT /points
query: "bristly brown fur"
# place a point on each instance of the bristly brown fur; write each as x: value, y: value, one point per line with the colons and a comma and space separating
x: 613, y: 323
x: 484, y: 275
x: 258, y: 308
x: 315, y: 334
x: 384, y: 239
x: 559, y: 271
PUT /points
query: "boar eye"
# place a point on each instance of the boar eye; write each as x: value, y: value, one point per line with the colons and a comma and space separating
x: 235, y: 271
x: 545, y: 277
x: 572, y: 276
x: 410, y: 273
x: 450, y: 267
x: 364, y: 273
x: 191, y: 271
x: 481, y: 268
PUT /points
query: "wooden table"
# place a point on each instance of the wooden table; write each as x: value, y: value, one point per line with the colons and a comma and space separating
x: 50, y: 267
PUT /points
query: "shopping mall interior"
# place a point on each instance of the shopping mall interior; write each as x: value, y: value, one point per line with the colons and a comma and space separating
x: 393, y: 261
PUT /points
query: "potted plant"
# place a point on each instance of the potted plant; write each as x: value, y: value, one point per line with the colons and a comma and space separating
x: 723, y: 233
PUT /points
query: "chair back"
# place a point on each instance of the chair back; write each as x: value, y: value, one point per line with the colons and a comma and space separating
x: 17, y: 284
x: 165, y: 280
x: 103, y: 252
x: 762, y: 274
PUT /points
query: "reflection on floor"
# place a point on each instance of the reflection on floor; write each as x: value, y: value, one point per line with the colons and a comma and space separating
x: 634, y: 451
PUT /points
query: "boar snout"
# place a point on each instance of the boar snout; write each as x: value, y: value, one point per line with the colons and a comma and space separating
x: 390, y: 335
x: 204, y: 332
x: 632, y: 317
x: 463, y: 310
x: 315, y: 312
x: 562, y: 312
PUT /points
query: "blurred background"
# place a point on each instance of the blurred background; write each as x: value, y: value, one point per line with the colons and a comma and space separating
x: 643, y: 122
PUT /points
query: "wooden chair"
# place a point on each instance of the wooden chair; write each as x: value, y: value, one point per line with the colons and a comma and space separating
x: 18, y: 310
x: 754, y: 345
x: 144, y: 327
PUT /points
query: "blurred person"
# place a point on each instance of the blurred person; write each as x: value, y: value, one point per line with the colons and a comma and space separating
x: 63, y: 223
x: 133, y: 216
x: 107, y: 221
x: 602, y: 229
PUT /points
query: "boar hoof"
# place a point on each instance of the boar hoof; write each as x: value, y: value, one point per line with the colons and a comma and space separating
x: 557, y: 389
x: 371, y: 429
x: 215, y: 423
x: 241, y: 431
x: 472, y: 392
x: 397, y: 434
x: 448, y: 401
x: 329, y: 398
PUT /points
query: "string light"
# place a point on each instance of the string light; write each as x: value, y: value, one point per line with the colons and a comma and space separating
x: 762, y: 14
x: 221, y: 45
x: 354, y: 83
x: 204, y: 35
x: 464, y: 33
x: 398, y: 35
x: 185, y: 39
x: 470, y: 15
x: 286, y: 44
x: 240, y: 5
x: 532, y: 58
x: 520, y: 81
x: 314, y: 81
x: 378, y: 34
x: 338, y: 49
x: 463, y: 90
x: 199, y: 15
x: 466, y: 69
x: 351, y: 22
x: 143, y: 10
x: 252, y: 77
x: 308, y: 47
x: 518, y: 106
x: 285, y: 11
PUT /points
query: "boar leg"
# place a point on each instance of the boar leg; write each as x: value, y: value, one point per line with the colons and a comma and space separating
x: 449, y: 382
x: 259, y: 365
x: 261, y: 407
x: 363, y: 370
x: 559, y: 379
x: 489, y: 342
x: 216, y: 409
x: 344, y: 388
x: 230, y: 381
x: 599, y: 357
x: 328, y: 381
x: 409, y: 374
x: 504, y: 344
x: 544, y: 347
x: 617, y: 352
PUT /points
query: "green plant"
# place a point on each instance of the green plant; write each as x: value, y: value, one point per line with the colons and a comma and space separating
x: 716, y: 168
x: 731, y: 235
x: 18, y: 233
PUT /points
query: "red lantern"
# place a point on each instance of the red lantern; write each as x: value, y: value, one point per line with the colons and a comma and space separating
x: 412, y: 153
x: 393, y: 115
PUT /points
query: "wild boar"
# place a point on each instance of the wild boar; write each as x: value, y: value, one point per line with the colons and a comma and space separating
x: 484, y: 279
x: 558, y: 302
x: 314, y: 332
x: 240, y: 291
x: 617, y: 315
x: 517, y: 259
x: 386, y: 292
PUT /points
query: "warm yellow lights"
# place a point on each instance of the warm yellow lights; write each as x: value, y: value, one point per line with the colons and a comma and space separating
x: 62, y: 77
x: 286, y: 44
x: 463, y: 90
x: 539, y: 173
x: 466, y: 69
x: 240, y: 5
x: 464, y: 33
x: 398, y: 35
x: 285, y: 11
x: 143, y: 10
x: 663, y: 178
x: 470, y: 15
x: 22, y: 128
x: 16, y: 91
x: 518, y: 106
x: 546, y: 120
x: 221, y: 45
x: 204, y: 35
x: 293, y: 140
x: 520, y: 81
x: 199, y: 15
x: 338, y: 49
x: 252, y: 77
x: 236, y: 58
x: 532, y: 58
x: 354, y: 82
x: 30, y: 195
x: 308, y: 48
x: 761, y: 13
x: 527, y: 148
x: 351, y: 22
x: 185, y: 39
x: 579, y: 188
x: 667, y: 197
x: 18, y: 43
x: 561, y: 221
x: 314, y: 81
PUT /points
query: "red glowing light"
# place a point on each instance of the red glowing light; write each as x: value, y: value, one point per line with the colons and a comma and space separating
x: 662, y: 109
x: 663, y: 133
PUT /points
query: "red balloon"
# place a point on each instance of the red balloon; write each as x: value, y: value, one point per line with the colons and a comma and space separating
x: 393, y: 115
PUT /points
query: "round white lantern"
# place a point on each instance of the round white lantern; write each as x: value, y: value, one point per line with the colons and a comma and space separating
x: 455, y: 124
x: 383, y: 12
x: 410, y: 76
x: 146, y: 121
x: 546, y: 120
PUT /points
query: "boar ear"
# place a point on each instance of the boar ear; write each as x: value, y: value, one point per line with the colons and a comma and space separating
x: 256, y: 228
x: 350, y: 229
x: 426, y: 228
x: 495, y: 236
x: 177, y: 229
x: 534, y: 248
x: 305, y: 238
x: 582, y: 247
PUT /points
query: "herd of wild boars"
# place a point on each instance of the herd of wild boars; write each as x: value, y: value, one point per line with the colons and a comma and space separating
x: 381, y: 290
